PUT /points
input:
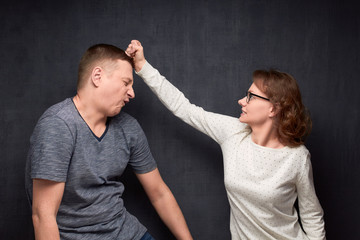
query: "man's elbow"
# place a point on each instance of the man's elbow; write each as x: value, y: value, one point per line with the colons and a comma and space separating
x: 159, y: 194
x: 37, y: 219
x: 40, y: 218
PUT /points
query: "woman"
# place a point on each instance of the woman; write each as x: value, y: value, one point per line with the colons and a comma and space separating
x: 266, y: 165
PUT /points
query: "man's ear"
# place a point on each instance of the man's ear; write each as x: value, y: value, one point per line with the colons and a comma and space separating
x: 96, y: 76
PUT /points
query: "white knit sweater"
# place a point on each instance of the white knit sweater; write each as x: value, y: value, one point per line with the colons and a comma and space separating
x: 262, y: 183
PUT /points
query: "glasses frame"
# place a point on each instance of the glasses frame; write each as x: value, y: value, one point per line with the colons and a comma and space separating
x: 250, y: 94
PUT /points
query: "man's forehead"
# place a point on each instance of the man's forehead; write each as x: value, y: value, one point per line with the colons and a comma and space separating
x: 123, y: 62
x: 125, y: 68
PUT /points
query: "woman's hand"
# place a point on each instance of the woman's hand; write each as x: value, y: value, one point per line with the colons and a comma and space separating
x: 136, y: 52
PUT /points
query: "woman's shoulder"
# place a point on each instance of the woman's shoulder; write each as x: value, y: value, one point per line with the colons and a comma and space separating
x: 300, y: 151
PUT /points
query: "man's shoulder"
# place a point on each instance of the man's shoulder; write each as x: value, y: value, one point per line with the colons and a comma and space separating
x: 124, y: 118
x: 61, y: 112
x: 54, y: 124
x: 127, y: 122
x: 58, y: 108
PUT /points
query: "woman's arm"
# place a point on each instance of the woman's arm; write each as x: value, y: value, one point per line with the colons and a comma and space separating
x: 311, y: 213
x: 218, y: 127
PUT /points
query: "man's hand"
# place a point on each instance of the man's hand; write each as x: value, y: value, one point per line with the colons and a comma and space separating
x: 165, y: 204
x: 136, y: 52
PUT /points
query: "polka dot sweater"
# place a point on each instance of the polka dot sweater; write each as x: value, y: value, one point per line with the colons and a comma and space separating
x: 262, y: 183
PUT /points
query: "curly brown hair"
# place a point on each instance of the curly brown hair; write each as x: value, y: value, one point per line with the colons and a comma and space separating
x: 293, y: 120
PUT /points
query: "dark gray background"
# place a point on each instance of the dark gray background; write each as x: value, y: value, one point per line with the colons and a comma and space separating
x: 209, y: 50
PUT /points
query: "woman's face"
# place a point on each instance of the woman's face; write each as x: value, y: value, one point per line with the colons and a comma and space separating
x: 257, y: 111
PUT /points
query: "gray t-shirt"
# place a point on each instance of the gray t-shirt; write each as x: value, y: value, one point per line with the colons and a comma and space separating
x: 64, y: 149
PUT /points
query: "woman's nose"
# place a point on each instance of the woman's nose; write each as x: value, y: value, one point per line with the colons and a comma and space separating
x: 242, y: 101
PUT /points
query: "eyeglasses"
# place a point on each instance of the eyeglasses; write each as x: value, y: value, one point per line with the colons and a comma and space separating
x: 249, y: 96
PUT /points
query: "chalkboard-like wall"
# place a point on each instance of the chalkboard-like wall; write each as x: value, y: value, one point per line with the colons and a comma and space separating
x: 209, y: 50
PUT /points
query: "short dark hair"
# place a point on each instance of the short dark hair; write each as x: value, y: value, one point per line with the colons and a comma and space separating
x: 99, y: 54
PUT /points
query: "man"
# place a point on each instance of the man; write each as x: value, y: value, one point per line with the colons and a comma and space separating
x: 79, y: 149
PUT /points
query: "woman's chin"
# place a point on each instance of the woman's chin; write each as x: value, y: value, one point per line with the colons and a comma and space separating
x: 241, y: 119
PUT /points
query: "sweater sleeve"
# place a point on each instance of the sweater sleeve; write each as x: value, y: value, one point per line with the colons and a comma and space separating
x: 311, y: 213
x: 218, y: 127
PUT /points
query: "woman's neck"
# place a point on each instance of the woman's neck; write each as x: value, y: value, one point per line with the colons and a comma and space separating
x: 266, y: 135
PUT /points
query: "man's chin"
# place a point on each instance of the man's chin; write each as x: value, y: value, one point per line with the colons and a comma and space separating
x: 116, y: 112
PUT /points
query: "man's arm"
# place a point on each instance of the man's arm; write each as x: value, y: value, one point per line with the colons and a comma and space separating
x: 164, y: 203
x: 47, y: 196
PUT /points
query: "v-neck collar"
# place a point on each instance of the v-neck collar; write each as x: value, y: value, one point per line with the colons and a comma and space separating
x: 96, y: 137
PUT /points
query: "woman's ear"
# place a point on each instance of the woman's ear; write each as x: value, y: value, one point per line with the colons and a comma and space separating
x: 274, y: 110
x: 96, y: 75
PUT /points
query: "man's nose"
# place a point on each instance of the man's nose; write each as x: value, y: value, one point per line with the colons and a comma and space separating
x: 131, y: 93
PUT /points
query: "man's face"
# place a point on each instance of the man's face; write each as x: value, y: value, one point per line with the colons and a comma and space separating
x: 116, y: 88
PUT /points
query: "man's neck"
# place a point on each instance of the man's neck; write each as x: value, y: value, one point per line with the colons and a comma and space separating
x: 88, y: 111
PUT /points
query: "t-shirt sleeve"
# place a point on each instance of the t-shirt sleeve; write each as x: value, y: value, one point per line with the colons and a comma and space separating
x: 141, y: 159
x: 51, y: 147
